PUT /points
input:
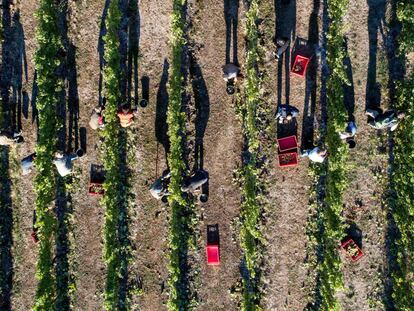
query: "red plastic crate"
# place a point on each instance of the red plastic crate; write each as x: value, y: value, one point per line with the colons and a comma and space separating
x: 287, y: 143
x: 303, y: 61
x: 288, y: 159
x: 349, y: 243
x: 96, y: 189
x: 213, y: 255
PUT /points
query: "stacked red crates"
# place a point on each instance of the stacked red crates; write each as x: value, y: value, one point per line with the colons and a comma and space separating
x: 288, y: 151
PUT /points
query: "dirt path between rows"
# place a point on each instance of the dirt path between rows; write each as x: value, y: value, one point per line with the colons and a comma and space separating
x: 285, y: 272
x: 149, y: 226
x: 364, y: 200
x: 222, y: 141
x: 24, y: 264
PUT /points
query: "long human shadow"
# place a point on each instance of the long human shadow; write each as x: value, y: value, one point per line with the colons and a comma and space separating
x: 124, y: 51
x: 6, y: 231
x: 231, y: 16
x: 308, y: 122
x: 161, y: 126
x: 101, y: 49
x: 285, y: 27
x: 133, y: 51
x: 376, y: 17
x: 13, y: 67
x: 202, y: 105
x: 349, y: 89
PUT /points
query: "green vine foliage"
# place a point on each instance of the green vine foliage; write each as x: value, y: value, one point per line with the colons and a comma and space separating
x: 49, y: 88
x: 182, y: 209
x: 330, y: 225
x: 403, y: 204
x: 116, y: 253
x: 250, y: 235
x: 402, y: 178
x: 405, y: 14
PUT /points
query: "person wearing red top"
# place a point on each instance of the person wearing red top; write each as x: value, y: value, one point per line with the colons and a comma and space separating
x: 126, y: 116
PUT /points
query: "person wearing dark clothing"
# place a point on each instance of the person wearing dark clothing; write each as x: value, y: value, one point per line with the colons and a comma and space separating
x: 195, y: 181
x: 286, y: 113
x: 159, y: 189
x: 281, y: 46
x: 382, y: 120
x: 231, y: 70
x: 27, y: 164
x: 230, y: 74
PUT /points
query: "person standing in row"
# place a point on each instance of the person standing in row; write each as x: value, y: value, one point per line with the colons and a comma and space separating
x: 285, y: 113
x: 316, y: 154
x: 349, y: 135
x: 231, y: 73
x: 96, y: 120
x: 126, y: 116
x: 9, y: 138
x: 382, y: 120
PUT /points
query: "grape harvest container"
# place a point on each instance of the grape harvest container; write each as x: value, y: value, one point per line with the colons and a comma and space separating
x: 352, y: 250
x: 213, y: 245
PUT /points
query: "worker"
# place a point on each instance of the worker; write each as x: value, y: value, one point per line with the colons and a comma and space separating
x: 316, y: 154
x: 389, y: 119
x: 281, y: 46
x: 27, y: 164
x: 8, y: 138
x: 285, y: 113
x: 63, y: 162
x: 97, y: 119
x: 159, y: 189
x: 126, y: 116
x: 230, y: 74
x: 195, y: 181
x: 349, y: 134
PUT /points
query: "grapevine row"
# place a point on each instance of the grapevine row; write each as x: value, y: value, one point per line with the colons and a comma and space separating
x: 49, y: 87
x: 180, y: 227
x: 117, y: 252
x: 403, y: 170
x: 250, y: 235
x: 328, y: 228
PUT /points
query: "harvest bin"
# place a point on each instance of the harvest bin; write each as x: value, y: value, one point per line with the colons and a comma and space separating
x: 96, y: 188
x: 287, y: 143
x: 213, y: 245
x: 97, y: 178
x: 288, y: 151
x: 288, y: 159
x: 351, y: 249
x: 302, y: 62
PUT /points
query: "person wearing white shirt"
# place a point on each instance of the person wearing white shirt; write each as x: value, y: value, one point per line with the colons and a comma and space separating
x: 316, y: 154
x: 63, y: 163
